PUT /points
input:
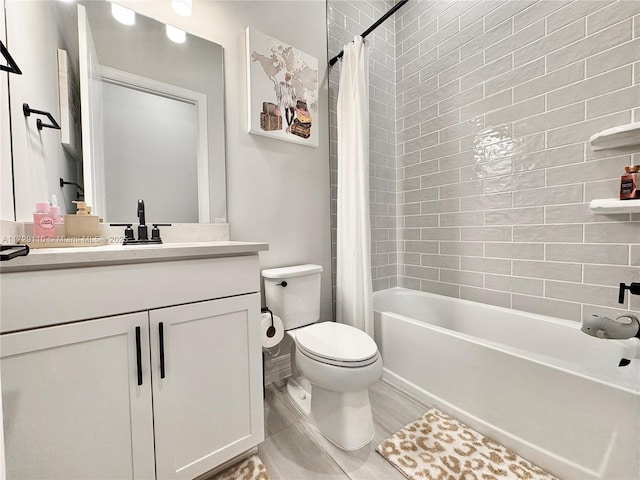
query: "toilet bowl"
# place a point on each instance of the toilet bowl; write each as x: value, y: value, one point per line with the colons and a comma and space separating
x: 339, y: 376
x: 332, y: 364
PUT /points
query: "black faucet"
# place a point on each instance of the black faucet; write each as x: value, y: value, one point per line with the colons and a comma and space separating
x: 143, y: 233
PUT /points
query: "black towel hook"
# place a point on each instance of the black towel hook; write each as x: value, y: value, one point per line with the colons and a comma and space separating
x: 13, y: 66
x: 28, y: 111
x: 80, y: 193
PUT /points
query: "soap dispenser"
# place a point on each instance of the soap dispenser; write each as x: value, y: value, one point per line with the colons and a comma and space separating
x: 82, y: 224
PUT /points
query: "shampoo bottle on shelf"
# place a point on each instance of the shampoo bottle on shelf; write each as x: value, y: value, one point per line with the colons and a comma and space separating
x: 43, y: 221
x: 629, y: 184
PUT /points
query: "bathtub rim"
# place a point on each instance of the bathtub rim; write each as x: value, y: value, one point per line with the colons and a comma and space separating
x: 513, y: 351
x: 538, y: 316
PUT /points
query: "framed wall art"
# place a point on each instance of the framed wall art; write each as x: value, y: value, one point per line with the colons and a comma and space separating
x: 282, y: 85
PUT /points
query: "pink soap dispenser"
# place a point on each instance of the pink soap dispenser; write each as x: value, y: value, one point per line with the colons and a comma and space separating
x: 43, y: 221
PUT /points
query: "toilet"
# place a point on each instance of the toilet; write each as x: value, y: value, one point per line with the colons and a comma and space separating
x: 332, y: 364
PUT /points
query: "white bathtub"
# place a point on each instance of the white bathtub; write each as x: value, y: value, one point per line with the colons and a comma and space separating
x: 537, y: 384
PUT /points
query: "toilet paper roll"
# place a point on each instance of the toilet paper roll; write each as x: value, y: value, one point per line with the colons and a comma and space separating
x: 268, y: 342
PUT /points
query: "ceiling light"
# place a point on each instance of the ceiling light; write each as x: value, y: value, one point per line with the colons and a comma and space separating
x: 123, y: 15
x: 182, y: 7
x: 175, y: 34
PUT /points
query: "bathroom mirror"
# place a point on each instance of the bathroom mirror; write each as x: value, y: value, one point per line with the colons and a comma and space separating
x: 152, y: 117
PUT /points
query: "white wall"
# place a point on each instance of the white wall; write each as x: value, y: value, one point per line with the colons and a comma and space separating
x: 277, y: 192
x: 6, y: 191
x: 6, y: 184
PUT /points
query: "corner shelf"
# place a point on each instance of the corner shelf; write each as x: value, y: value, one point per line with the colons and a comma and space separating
x: 608, y: 206
x: 616, y: 137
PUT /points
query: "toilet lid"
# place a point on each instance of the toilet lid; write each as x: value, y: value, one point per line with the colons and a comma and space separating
x: 336, y: 341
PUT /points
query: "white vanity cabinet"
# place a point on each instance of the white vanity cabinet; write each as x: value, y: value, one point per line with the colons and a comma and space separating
x: 204, y: 410
x: 170, y: 391
x: 72, y: 404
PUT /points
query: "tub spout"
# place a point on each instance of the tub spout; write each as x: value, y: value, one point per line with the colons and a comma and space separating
x: 623, y: 327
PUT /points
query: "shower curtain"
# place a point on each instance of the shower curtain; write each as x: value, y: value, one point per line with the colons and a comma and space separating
x: 354, y: 303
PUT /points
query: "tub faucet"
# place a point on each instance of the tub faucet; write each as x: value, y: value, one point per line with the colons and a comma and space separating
x: 143, y: 234
x: 623, y: 327
x: 634, y: 289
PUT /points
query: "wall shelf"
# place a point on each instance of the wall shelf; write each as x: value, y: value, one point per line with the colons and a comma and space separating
x: 616, y: 137
x: 607, y: 206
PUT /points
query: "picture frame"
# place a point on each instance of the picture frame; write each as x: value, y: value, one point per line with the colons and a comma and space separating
x: 282, y: 84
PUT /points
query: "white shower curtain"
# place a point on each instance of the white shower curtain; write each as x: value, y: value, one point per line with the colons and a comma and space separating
x: 354, y: 302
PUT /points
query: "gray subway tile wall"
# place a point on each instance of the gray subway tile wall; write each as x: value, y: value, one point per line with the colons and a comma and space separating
x: 346, y: 19
x: 493, y: 106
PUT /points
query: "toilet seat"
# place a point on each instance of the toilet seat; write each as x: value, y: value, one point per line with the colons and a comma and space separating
x: 336, y: 344
x: 337, y: 363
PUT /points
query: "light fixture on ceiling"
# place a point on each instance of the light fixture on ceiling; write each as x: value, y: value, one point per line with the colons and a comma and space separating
x: 182, y: 7
x: 175, y: 34
x: 123, y: 15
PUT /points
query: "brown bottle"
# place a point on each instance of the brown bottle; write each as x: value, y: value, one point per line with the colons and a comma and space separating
x: 629, y: 187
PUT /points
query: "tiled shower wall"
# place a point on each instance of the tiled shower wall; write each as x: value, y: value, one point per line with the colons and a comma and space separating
x: 495, y: 104
x: 483, y: 114
x: 346, y: 19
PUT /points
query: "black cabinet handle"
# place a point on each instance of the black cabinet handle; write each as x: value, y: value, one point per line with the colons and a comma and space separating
x: 139, y: 355
x: 161, y: 337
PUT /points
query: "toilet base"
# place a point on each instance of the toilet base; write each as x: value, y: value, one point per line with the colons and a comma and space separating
x: 300, y: 397
x: 344, y: 419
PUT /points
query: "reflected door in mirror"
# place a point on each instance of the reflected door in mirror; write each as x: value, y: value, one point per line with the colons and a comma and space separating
x: 150, y: 153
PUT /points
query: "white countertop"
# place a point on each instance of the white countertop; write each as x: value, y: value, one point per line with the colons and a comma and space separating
x: 77, y: 257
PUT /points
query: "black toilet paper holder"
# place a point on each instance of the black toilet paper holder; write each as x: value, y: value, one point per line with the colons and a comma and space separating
x: 271, y: 331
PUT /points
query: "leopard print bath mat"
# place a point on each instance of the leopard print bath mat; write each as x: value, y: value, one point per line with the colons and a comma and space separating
x: 250, y: 468
x: 438, y: 447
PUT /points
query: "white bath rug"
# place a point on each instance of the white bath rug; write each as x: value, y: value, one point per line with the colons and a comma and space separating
x: 438, y: 447
x: 250, y: 468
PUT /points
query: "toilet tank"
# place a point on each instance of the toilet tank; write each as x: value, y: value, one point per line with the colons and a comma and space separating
x: 297, y: 303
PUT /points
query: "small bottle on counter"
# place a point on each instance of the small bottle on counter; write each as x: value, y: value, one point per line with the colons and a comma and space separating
x: 43, y: 221
x: 58, y: 220
x: 54, y: 210
x: 629, y: 185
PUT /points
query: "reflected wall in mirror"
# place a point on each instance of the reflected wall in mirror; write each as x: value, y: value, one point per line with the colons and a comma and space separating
x: 35, y: 32
x: 152, y: 117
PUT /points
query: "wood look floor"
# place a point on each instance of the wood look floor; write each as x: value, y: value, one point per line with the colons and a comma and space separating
x: 295, y: 450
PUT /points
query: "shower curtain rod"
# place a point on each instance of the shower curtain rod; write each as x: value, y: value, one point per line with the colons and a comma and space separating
x: 391, y: 11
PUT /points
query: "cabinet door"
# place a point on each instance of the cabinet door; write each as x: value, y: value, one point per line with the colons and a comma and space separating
x: 208, y: 404
x: 73, y: 408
